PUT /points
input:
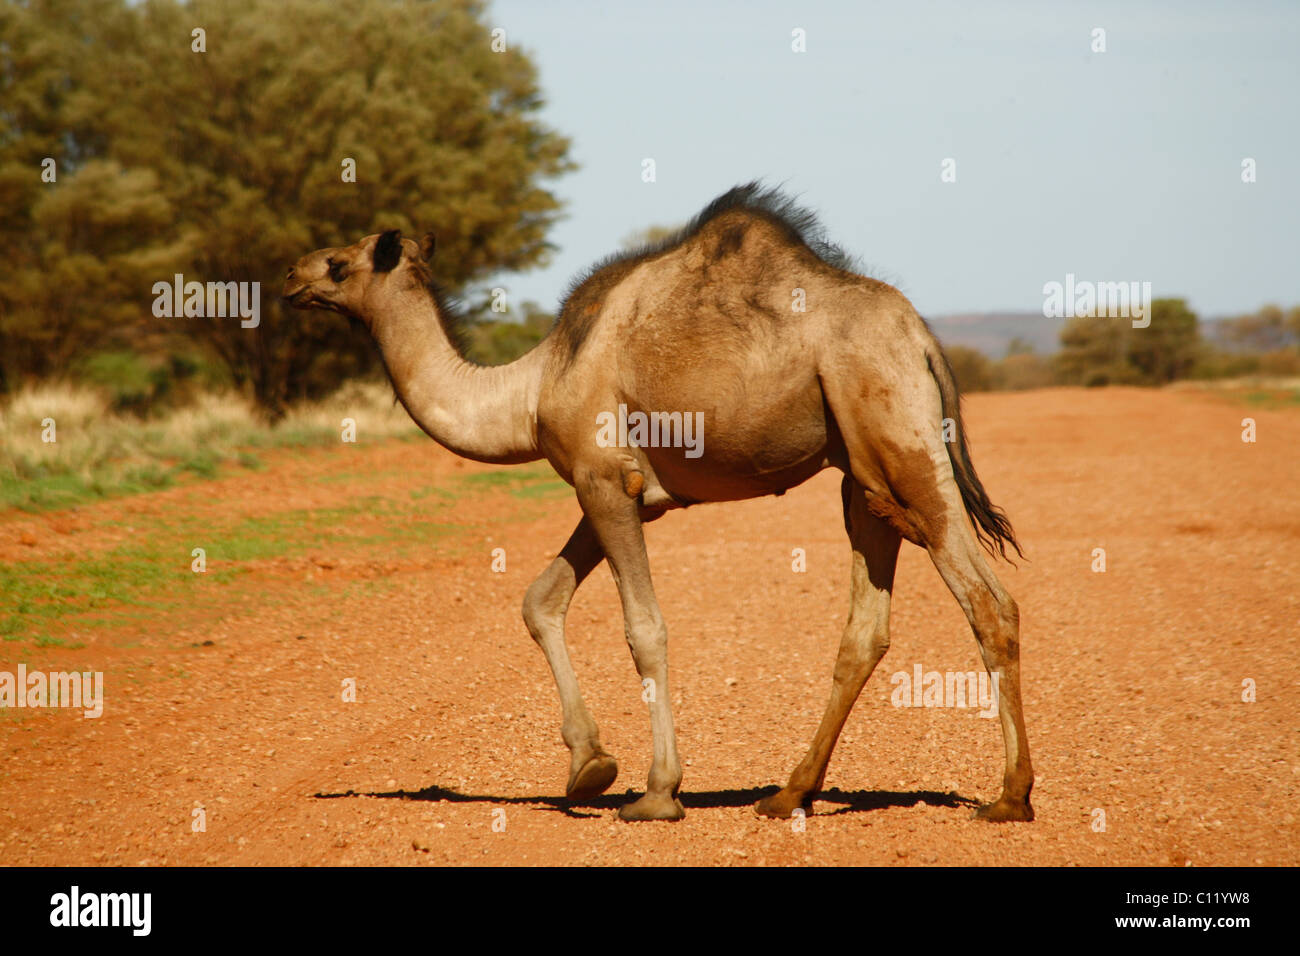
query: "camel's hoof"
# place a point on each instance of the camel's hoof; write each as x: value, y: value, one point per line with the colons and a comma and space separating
x: 652, y: 806
x: 779, y: 806
x: 1006, y: 811
x: 593, y: 778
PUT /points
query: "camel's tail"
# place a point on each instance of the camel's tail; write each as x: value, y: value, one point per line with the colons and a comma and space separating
x: 991, y: 524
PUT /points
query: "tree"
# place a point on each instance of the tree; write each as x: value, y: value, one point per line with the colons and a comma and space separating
x: 1019, y: 346
x: 1266, y: 330
x: 1092, y: 352
x: 83, y: 271
x: 1100, y: 350
x: 1165, y: 350
x: 46, y: 69
x: 253, y: 140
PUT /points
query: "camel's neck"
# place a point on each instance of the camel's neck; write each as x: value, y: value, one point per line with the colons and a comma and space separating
x: 487, y: 413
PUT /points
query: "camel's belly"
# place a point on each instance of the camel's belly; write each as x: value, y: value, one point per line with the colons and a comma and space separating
x: 742, y: 423
x: 685, y: 485
x: 733, y: 456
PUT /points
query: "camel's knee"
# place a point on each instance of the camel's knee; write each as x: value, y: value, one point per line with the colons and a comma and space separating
x: 648, y: 641
x: 545, y: 604
x: 535, y: 616
x: 1009, y: 618
x: 997, y: 624
x: 865, y: 643
x: 1007, y: 625
x: 878, y: 642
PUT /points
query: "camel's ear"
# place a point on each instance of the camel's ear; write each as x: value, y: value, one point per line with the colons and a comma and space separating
x: 388, y: 251
x: 427, y: 243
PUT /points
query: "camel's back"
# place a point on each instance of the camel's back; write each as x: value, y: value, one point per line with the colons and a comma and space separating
x: 739, y: 281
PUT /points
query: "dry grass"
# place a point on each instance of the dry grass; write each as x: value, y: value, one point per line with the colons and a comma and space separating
x: 97, y: 453
x: 1271, y: 382
x: 1251, y: 391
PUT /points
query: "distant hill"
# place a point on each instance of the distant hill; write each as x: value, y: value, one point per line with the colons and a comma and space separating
x: 992, y: 332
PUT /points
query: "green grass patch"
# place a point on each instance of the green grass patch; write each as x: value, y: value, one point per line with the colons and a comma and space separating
x: 47, y: 602
x: 1266, y: 397
x: 44, y: 640
x: 530, y: 482
x: 1273, y: 398
x: 151, y: 575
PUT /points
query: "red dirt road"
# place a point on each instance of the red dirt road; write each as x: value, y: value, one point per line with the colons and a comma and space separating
x: 1133, y: 678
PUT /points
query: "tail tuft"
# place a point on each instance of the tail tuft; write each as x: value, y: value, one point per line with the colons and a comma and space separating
x: 992, y: 527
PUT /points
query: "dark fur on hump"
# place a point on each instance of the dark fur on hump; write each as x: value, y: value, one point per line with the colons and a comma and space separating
x: 579, y: 307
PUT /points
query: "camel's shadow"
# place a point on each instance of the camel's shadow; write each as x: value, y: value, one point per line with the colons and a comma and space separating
x: 858, y: 801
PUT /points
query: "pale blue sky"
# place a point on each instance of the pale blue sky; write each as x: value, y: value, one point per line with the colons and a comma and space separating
x: 1123, y: 165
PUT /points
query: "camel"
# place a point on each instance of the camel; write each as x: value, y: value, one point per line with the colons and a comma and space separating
x: 793, y: 362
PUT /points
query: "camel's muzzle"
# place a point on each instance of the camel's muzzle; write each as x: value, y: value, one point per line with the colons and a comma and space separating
x: 296, y: 294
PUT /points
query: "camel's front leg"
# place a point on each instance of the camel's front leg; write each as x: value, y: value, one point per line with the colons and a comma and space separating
x: 617, y: 523
x: 591, y: 770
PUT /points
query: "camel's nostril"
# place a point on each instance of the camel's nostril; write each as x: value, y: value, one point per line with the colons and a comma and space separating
x: 290, y: 275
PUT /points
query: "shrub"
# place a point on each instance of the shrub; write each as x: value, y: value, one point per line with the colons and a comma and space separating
x: 970, y: 367
x: 1022, y: 371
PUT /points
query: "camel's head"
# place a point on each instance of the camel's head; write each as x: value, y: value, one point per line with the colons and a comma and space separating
x: 341, y: 279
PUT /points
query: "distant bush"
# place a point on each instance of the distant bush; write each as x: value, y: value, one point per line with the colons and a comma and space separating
x: 1270, y: 329
x: 1100, y: 350
x: 970, y: 367
x: 146, y: 385
x: 1023, y: 371
x: 497, y: 342
x: 126, y: 377
x: 1283, y: 363
x: 1214, y: 363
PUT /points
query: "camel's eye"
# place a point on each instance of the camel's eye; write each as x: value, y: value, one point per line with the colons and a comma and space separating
x: 336, y: 270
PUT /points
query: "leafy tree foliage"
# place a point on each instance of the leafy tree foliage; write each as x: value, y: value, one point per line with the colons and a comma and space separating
x: 1099, y: 350
x: 228, y: 164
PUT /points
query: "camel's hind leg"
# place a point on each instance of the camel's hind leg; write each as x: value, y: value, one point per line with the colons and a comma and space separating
x: 865, y: 640
x: 995, y: 619
x: 923, y: 500
x: 894, y: 440
x: 591, y: 770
